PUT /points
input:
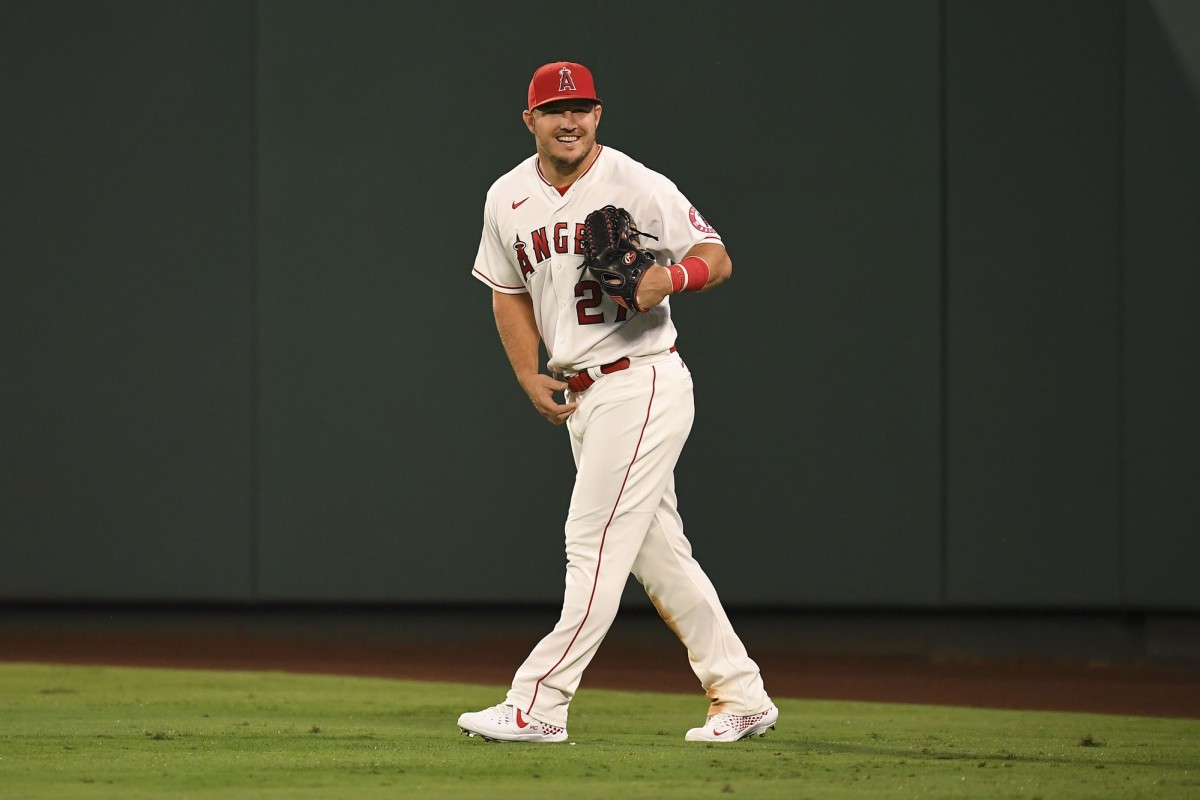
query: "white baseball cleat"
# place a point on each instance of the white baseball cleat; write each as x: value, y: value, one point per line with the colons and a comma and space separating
x: 506, y: 723
x: 731, y: 727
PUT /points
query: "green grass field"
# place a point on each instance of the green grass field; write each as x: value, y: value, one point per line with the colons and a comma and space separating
x: 99, y: 732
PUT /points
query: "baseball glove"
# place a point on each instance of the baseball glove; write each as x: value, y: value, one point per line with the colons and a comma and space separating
x: 610, y: 250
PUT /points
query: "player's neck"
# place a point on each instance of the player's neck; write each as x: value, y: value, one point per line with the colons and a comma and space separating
x: 562, y: 180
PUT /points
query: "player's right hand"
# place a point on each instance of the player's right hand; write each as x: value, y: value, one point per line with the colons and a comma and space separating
x: 541, y: 389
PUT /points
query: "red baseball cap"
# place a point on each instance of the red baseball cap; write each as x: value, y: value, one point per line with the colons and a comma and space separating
x: 561, y: 80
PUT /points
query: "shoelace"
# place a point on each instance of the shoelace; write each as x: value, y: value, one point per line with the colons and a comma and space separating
x: 502, y: 712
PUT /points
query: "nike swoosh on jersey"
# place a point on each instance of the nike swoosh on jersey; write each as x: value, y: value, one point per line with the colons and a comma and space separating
x: 517, y: 203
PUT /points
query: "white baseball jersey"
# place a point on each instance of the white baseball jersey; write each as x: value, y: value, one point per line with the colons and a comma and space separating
x: 627, y: 431
x: 531, y: 243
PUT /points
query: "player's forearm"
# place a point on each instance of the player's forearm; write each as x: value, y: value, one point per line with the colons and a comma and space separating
x: 518, y: 332
x: 720, y: 267
x: 706, y: 265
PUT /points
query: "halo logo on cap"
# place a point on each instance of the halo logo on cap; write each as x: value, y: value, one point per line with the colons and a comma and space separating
x: 565, y: 84
x: 561, y: 80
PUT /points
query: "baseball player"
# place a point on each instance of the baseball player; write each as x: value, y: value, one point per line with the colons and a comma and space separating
x: 626, y: 403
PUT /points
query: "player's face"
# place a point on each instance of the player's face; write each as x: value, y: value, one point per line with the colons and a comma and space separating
x: 565, y: 131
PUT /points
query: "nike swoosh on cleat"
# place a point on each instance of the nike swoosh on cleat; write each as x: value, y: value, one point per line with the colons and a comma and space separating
x: 517, y: 203
x: 718, y: 733
x: 521, y: 723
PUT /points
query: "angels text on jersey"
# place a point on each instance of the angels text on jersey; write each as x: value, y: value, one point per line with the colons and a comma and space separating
x: 564, y: 239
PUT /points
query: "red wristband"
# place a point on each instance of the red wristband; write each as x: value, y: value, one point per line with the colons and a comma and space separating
x: 696, y: 273
x: 678, y: 278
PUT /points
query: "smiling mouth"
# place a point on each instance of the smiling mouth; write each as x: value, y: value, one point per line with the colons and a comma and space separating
x: 568, y: 139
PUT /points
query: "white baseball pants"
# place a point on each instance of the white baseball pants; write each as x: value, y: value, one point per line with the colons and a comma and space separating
x: 627, y: 435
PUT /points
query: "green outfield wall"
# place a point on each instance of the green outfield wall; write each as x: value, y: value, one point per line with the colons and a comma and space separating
x: 242, y: 358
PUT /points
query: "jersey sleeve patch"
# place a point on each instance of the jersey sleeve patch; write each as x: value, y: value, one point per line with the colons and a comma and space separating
x: 699, y: 222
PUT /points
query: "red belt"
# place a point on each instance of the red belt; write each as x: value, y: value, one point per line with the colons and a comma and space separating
x: 582, y: 380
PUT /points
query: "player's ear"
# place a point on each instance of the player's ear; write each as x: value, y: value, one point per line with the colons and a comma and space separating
x: 528, y: 117
x: 599, y: 111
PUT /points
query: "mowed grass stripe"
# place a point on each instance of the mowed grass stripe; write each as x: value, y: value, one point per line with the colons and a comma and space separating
x: 98, y: 732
